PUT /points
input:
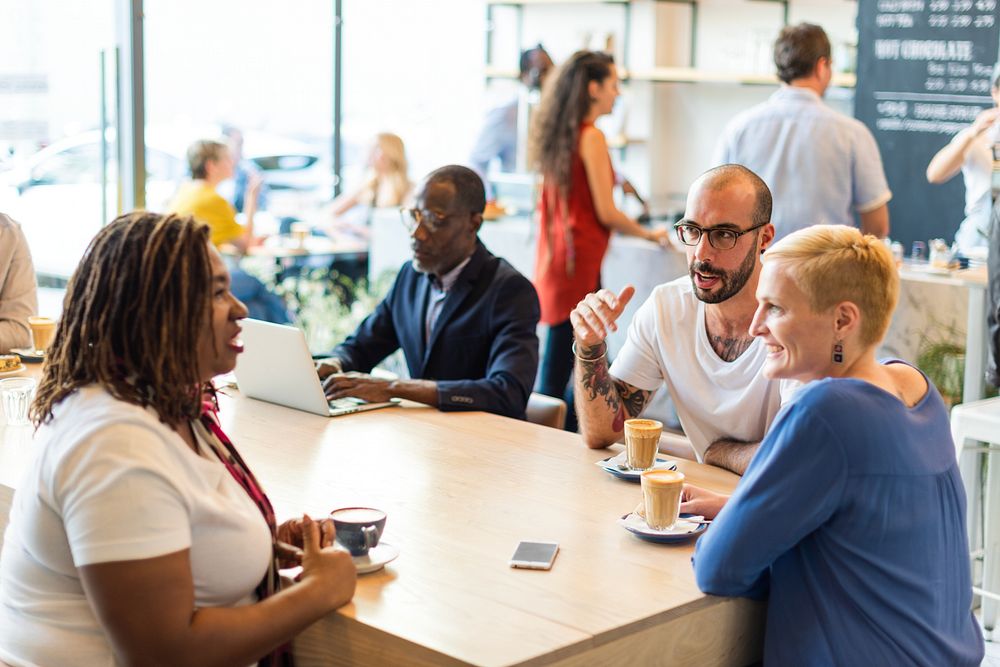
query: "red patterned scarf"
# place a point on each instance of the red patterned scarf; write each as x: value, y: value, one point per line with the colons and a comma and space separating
x: 223, y: 448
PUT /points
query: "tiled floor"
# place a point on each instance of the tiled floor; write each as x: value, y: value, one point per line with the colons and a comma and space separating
x: 992, y: 658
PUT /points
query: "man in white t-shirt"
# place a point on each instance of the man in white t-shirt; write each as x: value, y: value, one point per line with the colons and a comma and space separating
x: 692, y: 334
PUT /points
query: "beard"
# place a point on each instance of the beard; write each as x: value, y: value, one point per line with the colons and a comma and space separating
x: 730, y: 282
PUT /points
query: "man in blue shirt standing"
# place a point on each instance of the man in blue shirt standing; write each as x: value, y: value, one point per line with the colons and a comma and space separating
x: 821, y: 166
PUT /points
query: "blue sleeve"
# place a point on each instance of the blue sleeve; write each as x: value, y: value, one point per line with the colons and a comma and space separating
x: 870, y: 189
x: 513, y: 356
x: 374, y: 340
x: 793, y: 485
x: 497, y: 138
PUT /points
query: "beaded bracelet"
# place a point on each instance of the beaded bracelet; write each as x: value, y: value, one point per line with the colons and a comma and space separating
x: 603, y: 353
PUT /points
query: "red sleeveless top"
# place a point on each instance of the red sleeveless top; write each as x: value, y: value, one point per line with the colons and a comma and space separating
x: 571, y: 243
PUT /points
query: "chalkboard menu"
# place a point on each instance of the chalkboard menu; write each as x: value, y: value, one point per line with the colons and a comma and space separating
x: 924, y: 71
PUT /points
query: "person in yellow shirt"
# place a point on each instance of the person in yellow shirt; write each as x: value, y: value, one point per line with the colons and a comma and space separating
x: 211, y: 162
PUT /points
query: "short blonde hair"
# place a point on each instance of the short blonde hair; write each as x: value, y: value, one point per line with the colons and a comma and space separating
x: 200, y: 152
x: 835, y: 263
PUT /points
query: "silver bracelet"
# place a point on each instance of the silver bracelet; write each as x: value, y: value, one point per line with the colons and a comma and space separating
x: 603, y: 353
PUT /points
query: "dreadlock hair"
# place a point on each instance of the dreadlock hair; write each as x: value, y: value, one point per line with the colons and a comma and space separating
x: 133, y: 315
x: 565, y: 102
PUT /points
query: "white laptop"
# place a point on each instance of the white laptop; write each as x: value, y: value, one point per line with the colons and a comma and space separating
x: 276, y: 367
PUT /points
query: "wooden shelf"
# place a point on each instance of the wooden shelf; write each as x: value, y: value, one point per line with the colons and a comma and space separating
x: 517, y: 3
x: 695, y: 75
x: 688, y: 75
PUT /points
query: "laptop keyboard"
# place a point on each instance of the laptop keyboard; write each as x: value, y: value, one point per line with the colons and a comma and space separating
x: 347, y: 402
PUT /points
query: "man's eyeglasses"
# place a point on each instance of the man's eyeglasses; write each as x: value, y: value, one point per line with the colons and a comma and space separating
x: 414, y: 217
x: 719, y: 238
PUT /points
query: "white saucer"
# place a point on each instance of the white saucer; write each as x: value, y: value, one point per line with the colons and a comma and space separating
x: 13, y: 371
x: 376, y: 558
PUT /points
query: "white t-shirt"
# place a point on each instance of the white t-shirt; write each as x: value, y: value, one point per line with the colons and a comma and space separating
x: 110, y: 482
x: 668, y: 343
x: 977, y: 173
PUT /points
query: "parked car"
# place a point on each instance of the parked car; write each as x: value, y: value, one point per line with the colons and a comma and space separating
x: 56, y: 193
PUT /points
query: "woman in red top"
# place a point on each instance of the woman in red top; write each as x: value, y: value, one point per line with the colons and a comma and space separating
x: 577, y: 208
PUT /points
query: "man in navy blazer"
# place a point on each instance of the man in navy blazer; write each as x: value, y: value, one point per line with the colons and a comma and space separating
x: 464, y: 318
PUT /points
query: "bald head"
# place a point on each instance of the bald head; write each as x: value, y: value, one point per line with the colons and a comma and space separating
x: 730, y: 175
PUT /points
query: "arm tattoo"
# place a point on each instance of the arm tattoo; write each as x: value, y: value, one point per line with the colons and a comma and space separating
x: 624, y: 400
x: 729, y: 348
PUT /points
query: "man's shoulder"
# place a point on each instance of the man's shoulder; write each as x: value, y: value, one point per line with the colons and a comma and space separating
x: 676, y: 291
x: 670, y: 304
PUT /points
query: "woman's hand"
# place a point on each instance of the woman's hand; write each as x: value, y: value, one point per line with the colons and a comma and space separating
x: 985, y: 120
x: 290, y: 540
x: 660, y: 236
x: 328, y: 572
x: 696, y: 500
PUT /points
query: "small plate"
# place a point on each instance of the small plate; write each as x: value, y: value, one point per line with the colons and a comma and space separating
x: 28, y: 355
x: 636, y: 525
x: 376, y: 558
x: 609, y: 465
x: 13, y: 371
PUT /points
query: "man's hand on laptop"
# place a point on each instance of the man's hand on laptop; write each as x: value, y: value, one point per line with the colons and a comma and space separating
x: 357, y: 385
x: 329, y: 366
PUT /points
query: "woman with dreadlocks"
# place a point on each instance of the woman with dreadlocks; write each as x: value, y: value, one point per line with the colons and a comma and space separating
x: 577, y: 207
x: 139, y: 531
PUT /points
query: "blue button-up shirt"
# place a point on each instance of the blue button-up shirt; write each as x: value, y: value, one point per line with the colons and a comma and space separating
x: 820, y: 165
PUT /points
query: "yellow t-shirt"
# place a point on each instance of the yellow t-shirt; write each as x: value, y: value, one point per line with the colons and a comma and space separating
x: 207, y: 206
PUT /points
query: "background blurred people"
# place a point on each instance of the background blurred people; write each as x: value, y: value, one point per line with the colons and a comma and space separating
x: 245, y: 172
x: 577, y: 208
x: 497, y: 138
x: 822, y: 166
x: 211, y: 162
x: 386, y: 184
x: 18, y: 294
x: 854, y: 500
x: 139, y: 531
x: 972, y: 152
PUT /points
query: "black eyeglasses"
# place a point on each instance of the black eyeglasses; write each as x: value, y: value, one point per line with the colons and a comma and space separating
x: 414, y: 217
x: 719, y: 238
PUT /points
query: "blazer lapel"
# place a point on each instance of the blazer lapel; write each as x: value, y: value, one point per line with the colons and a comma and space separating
x: 423, y: 301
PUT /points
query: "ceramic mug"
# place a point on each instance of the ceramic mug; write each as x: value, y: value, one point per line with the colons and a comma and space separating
x: 358, y: 528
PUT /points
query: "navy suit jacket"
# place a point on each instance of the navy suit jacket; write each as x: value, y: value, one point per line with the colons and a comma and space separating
x: 483, y: 350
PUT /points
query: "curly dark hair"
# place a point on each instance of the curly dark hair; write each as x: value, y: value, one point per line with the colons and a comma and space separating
x: 798, y: 49
x: 565, y: 102
x: 134, y: 311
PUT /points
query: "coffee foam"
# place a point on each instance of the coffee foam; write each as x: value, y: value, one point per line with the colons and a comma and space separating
x: 358, y: 515
x: 644, y: 424
x: 663, y: 477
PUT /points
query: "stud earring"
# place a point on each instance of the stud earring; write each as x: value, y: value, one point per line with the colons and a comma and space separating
x: 838, y: 352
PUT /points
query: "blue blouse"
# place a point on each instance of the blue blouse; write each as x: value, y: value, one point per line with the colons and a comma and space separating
x: 851, y: 519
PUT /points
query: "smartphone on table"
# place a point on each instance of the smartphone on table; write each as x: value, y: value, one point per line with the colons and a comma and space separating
x: 534, y: 555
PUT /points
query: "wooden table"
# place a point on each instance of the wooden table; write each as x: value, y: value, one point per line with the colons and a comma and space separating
x: 461, y: 490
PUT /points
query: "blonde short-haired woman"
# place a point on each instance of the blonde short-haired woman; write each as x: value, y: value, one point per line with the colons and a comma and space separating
x: 851, y: 515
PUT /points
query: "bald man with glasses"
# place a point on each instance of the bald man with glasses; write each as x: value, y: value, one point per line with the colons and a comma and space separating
x: 464, y: 318
x: 692, y: 334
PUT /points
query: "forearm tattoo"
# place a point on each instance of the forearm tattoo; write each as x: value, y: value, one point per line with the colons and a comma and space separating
x: 624, y: 400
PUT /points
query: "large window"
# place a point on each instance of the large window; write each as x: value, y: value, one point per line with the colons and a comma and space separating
x: 52, y: 105
x: 260, y: 67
